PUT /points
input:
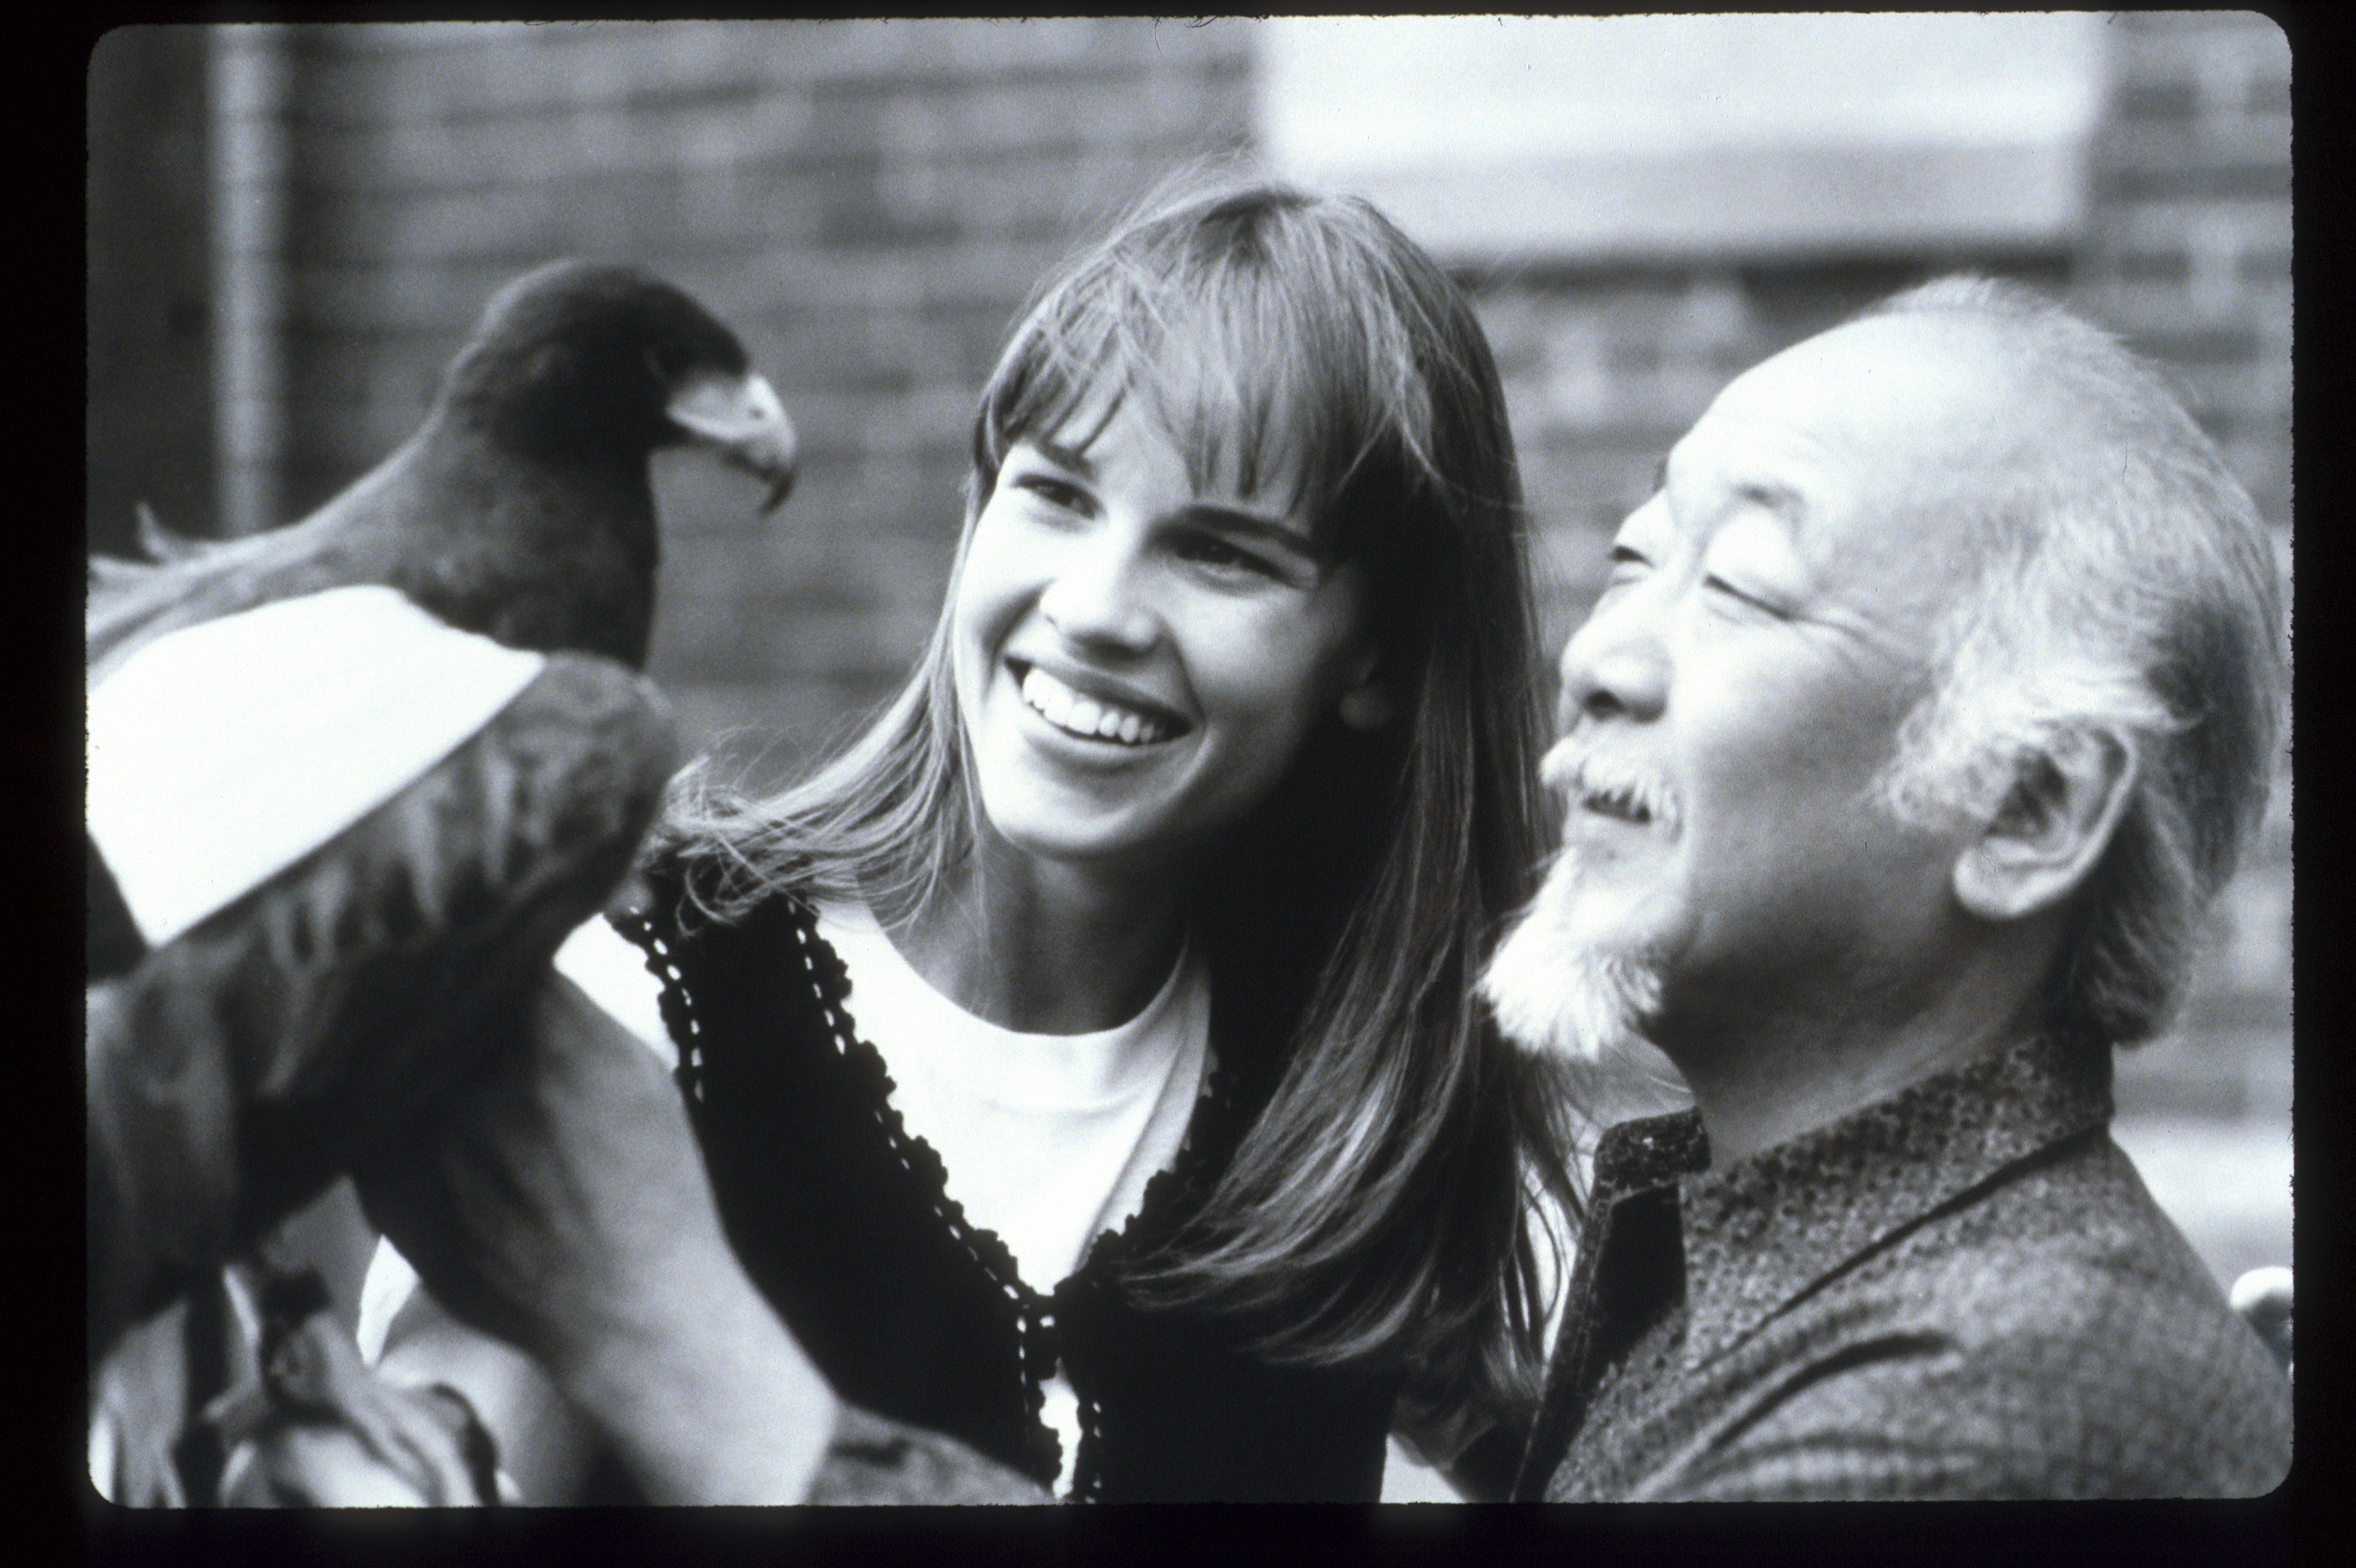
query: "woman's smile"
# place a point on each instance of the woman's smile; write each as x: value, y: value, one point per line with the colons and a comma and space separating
x: 1085, y: 711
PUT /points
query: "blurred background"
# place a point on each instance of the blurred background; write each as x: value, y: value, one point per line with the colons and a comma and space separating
x: 293, y: 226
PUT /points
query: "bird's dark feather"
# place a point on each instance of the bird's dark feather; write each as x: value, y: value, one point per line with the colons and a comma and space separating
x: 233, y: 1069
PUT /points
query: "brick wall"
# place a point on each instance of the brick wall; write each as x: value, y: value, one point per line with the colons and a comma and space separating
x: 2189, y: 255
x: 868, y: 202
x: 149, y: 393
x: 2189, y: 252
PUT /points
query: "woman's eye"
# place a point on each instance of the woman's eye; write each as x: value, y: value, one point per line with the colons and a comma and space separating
x: 1055, y: 492
x: 1211, y: 550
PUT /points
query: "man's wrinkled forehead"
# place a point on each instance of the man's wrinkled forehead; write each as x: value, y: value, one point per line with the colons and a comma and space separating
x: 1935, y: 378
x: 1884, y: 415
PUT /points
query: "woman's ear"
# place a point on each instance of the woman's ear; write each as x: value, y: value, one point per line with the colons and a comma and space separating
x: 2053, y: 827
x: 1366, y: 705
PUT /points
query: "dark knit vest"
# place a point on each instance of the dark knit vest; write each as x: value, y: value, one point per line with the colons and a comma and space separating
x: 840, y: 1216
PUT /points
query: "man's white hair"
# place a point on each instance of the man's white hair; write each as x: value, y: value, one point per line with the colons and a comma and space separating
x: 2127, y: 592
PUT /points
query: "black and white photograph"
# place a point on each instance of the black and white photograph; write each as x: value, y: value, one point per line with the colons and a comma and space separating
x: 1353, y: 760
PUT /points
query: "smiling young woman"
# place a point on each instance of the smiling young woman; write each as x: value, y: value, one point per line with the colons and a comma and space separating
x: 1085, y: 1061
x: 1139, y: 660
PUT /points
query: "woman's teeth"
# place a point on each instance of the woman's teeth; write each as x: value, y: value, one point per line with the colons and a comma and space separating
x: 1067, y: 710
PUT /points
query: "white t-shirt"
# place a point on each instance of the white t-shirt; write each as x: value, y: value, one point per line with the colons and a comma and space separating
x: 1047, y: 1139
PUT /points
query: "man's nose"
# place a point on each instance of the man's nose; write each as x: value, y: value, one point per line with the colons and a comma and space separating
x: 1615, y: 665
x: 1096, y: 593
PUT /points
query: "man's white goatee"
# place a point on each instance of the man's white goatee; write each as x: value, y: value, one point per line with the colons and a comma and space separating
x: 1552, y: 991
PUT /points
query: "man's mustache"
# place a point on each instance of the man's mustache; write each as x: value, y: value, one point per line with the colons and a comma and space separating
x: 1587, y: 777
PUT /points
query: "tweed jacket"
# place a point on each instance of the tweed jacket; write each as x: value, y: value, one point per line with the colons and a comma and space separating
x: 1963, y: 1291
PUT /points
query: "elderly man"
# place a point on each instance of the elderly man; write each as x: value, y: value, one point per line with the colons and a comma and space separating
x: 1930, y: 699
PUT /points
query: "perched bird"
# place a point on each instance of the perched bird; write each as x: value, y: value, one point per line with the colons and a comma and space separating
x: 352, y: 781
x: 521, y: 509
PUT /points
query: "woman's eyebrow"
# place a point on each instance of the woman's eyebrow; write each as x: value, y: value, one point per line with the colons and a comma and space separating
x: 1066, y: 457
x: 1264, y: 530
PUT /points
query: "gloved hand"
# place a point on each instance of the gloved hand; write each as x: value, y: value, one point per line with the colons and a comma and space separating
x: 314, y: 1426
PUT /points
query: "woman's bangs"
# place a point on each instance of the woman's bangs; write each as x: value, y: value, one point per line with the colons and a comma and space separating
x: 1277, y: 400
x: 1047, y: 376
x: 1252, y: 367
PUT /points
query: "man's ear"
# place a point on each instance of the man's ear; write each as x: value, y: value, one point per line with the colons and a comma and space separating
x: 1365, y: 702
x: 2052, y: 828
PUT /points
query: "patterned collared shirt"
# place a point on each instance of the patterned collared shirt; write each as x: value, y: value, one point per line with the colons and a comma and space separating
x: 1963, y: 1291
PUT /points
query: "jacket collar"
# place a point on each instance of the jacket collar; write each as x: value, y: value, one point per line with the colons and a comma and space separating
x: 1765, y: 1229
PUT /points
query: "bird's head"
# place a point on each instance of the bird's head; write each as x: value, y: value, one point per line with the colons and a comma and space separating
x: 607, y: 361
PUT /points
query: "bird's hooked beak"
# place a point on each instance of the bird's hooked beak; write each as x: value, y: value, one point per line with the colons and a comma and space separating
x: 741, y: 415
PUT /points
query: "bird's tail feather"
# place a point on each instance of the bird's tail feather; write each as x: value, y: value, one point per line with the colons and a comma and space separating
x: 133, y: 602
x: 160, y: 542
x: 163, y: 548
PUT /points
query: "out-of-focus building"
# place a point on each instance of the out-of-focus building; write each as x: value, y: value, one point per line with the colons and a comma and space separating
x: 293, y: 226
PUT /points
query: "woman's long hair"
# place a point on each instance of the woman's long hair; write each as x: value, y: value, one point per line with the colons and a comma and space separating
x: 1379, y: 1210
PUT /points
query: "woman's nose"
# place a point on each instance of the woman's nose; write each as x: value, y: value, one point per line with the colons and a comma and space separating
x: 1096, y: 594
x: 1616, y: 663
